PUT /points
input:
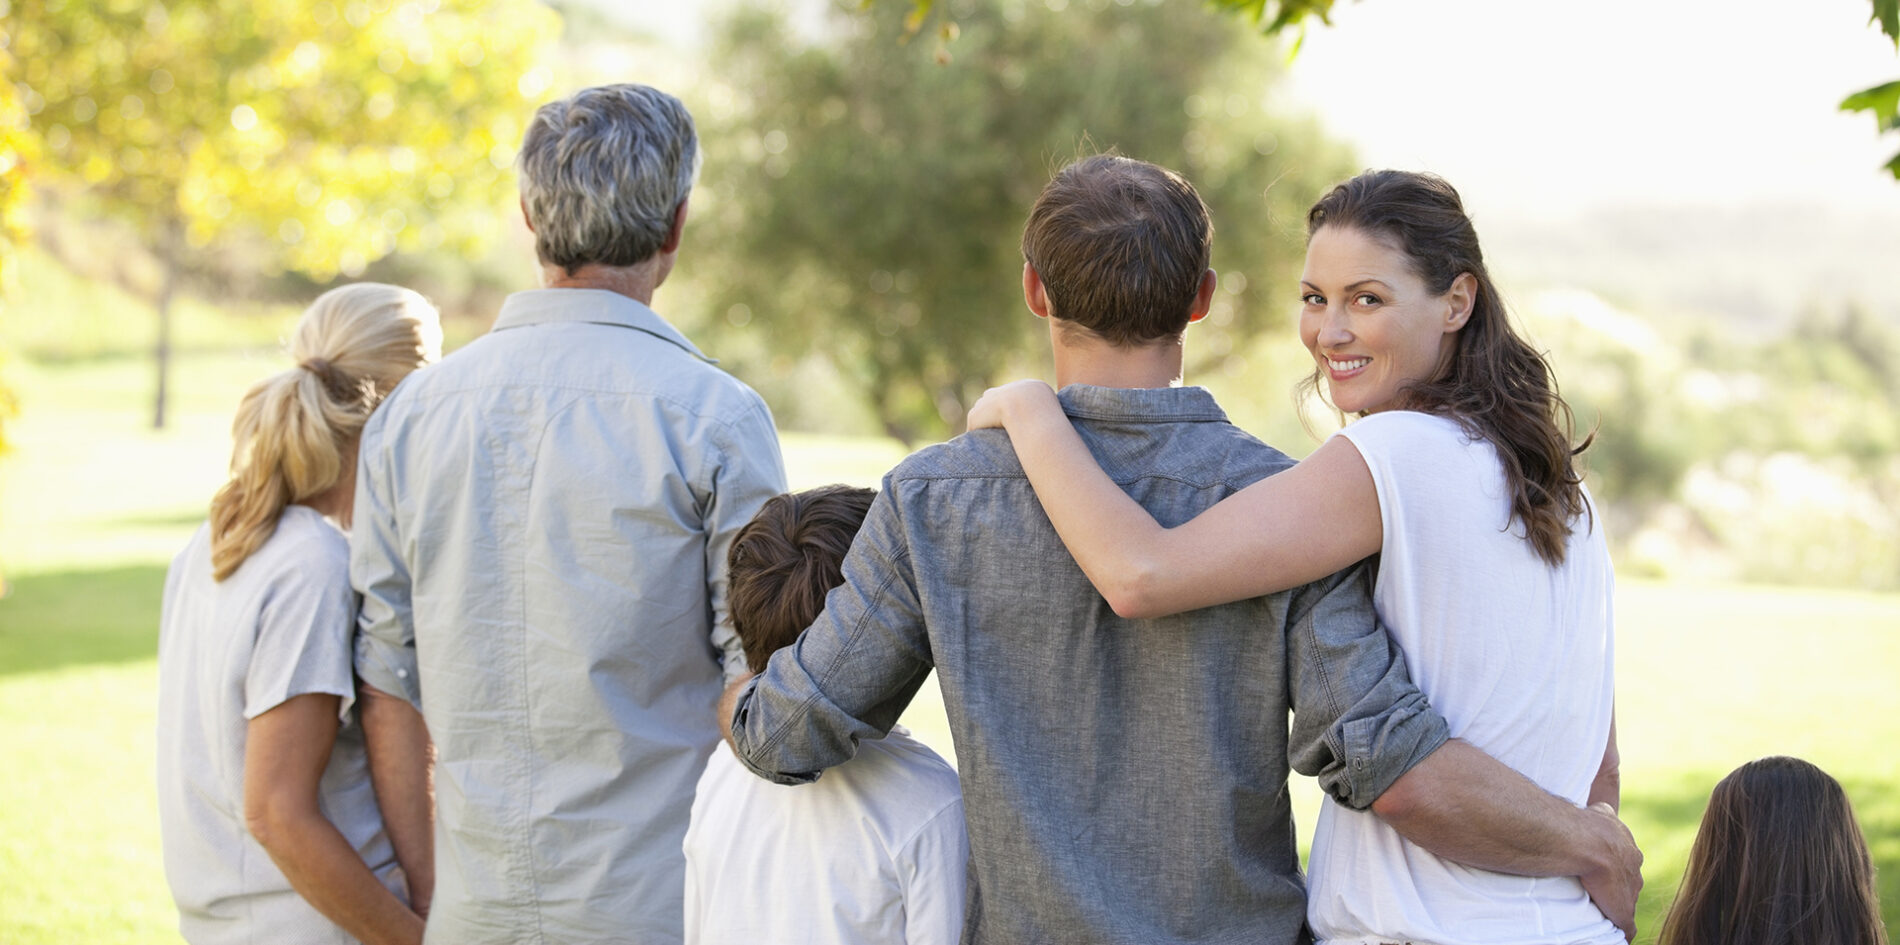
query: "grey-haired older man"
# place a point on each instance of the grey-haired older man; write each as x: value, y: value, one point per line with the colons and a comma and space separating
x: 540, y: 541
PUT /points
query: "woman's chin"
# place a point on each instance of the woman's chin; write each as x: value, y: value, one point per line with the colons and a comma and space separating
x: 1345, y: 401
x: 1353, y: 399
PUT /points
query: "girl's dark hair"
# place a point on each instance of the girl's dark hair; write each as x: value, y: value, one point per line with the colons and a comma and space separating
x: 1495, y: 384
x: 1779, y: 860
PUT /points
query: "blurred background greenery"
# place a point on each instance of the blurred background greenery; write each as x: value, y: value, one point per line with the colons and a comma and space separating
x: 181, y: 177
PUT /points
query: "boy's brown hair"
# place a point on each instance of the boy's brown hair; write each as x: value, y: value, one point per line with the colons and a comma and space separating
x: 784, y: 561
x: 1120, y: 246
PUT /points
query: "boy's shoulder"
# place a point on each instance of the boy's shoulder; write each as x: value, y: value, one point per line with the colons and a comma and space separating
x: 893, y: 788
x: 909, y: 765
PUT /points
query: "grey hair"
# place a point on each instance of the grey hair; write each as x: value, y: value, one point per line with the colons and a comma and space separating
x: 603, y: 172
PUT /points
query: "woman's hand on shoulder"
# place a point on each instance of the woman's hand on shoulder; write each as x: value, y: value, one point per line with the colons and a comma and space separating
x: 999, y: 404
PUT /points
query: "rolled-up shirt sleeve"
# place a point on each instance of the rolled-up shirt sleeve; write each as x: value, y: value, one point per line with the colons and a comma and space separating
x: 852, y: 673
x: 1358, y: 721
x: 385, y: 624
x: 747, y: 470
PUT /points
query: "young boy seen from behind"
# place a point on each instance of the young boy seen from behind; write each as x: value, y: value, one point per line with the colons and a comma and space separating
x: 873, y: 852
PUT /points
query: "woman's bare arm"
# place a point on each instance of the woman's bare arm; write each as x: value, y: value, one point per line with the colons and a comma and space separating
x: 1284, y: 531
x: 285, y: 752
x: 1470, y: 808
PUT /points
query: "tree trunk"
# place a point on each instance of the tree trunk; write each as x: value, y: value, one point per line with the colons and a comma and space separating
x: 162, y: 350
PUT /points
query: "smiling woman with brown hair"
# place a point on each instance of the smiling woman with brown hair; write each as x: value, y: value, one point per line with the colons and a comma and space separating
x: 1493, y: 575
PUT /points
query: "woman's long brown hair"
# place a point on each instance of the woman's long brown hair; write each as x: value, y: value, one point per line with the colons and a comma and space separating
x: 1495, y: 384
x: 1779, y: 860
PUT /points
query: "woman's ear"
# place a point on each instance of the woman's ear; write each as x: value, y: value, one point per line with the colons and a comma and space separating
x: 1460, y: 299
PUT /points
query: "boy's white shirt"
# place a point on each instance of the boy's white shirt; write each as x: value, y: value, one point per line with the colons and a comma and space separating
x: 872, y: 852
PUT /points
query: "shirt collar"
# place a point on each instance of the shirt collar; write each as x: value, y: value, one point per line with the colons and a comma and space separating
x: 598, y: 306
x: 1141, y: 404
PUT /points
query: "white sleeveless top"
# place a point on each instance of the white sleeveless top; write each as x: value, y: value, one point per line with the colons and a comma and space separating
x: 1518, y: 657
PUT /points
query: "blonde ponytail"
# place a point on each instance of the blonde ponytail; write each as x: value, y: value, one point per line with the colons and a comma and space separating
x: 295, y: 432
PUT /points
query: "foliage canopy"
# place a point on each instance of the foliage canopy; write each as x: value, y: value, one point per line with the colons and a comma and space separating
x: 288, y: 134
x: 323, y: 134
x: 868, y: 200
x: 1272, y: 16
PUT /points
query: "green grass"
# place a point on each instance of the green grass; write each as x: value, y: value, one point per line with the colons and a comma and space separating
x: 93, y: 505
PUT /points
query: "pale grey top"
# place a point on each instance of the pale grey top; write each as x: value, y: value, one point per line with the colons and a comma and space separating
x: 540, y: 540
x: 228, y: 652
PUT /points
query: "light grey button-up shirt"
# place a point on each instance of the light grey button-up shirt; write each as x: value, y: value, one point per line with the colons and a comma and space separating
x: 540, y: 539
x: 1124, y: 781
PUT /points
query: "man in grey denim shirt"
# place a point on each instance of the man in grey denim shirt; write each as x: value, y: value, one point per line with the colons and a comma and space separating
x: 1125, y: 780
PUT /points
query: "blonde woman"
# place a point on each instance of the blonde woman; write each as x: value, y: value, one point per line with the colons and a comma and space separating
x: 270, y: 828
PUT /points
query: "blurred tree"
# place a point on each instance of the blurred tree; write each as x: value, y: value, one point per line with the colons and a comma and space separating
x: 868, y: 202
x: 1882, y: 101
x: 16, y: 148
x: 311, y: 136
x: 1272, y: 16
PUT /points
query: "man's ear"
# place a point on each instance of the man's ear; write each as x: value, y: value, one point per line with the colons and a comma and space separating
x: 524, y: 215
x: 1033, y: 292
x: 1203, y: 298
x: 1460, y: 299
x: 677, y: 230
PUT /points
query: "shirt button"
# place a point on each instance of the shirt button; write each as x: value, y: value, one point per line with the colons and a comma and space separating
x: 402, y: 674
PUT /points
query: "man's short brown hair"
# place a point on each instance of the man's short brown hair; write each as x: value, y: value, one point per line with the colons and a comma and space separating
x: 784, y: 561
x: 1120, y: 246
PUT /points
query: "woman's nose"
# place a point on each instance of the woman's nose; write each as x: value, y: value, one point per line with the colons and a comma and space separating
x: 1333, y: 330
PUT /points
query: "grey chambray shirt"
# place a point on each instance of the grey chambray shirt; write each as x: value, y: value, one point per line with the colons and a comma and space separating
x: 1124, y: 781
x: 540, y: 541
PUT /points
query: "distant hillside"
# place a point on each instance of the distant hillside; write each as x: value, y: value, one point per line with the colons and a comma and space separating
x: 1755, y: 267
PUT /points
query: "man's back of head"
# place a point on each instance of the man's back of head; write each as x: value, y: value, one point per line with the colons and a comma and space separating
x: 604, y: 173
x: 1121, y: 248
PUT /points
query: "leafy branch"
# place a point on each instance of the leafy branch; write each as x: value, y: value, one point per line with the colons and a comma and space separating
x: 1883, y: 101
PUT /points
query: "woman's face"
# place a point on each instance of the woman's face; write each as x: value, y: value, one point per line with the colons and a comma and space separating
x: 1369, y: 320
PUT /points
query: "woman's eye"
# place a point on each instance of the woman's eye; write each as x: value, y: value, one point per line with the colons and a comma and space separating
x: 1313, y: 298
x: 1366, y: 298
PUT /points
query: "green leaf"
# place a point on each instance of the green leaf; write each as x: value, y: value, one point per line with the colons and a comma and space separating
x: 1893, y: 167
x: 1882, y: 100
x: 1284, y: 13
x: 1887, y: 12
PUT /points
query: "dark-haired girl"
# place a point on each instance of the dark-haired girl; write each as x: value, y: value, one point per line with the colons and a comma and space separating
x: 1493, y: 574
x: 1779, y: 860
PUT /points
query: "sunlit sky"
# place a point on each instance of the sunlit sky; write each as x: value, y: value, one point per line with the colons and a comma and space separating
x: 1547, y: 108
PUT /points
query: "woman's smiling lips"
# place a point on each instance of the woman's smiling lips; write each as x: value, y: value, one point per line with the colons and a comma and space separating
x: 1346, y: 368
